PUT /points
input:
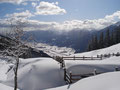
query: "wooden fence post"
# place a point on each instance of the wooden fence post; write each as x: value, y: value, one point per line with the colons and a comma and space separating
x: 65, y: 74
x: 83, y: 57
x: 101, y: 57
x: 74, y: 57
x: 62, y: 62
x: 112, y: 54
x: 116, y: 69
x: 70, y: 77
x: 97, y: 56
x: 91, y: 57
x: 95, y: 72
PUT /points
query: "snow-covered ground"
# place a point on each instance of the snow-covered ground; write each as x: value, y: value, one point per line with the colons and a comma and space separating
x: 106, y: 81
x: 86, y: 67
x: 105, y: 65
x: 55, y: 50
x: 112, y: 49
x: 45, y: 73
x: 34, y: 74
x: 5, y: 87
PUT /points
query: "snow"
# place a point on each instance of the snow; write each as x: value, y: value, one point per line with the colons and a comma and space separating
x: 45, y: 73
x: 85, y: 67
x: 5, y: 87
x: 55, y: 50
x: 3, y: 69
x: 112, y: 49
x: 106, y: 81
x: 88, y: 66
x: 109, y: 80
x: 37, y: 74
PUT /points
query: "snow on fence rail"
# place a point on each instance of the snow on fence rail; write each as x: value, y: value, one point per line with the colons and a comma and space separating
x: 61, y: 60
x: 69, y: 77
x: 98, y: 57
x: 82, y: 58
x: 109, y: 55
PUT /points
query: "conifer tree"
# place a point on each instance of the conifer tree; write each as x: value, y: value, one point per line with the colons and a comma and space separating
x: 117, y: 35
x: 107, y: 38
x: 112, y: 38
x: 101, y: 40
x: 95, y: 42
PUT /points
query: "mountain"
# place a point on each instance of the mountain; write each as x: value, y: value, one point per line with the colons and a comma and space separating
x: 76, y: 39
x: 30, y: 53
x: 111, y: 27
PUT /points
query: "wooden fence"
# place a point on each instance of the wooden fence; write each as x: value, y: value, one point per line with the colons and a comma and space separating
x: 109, y: 55
x: 98, y: 57
x: 69, y: 77
x: 82, y: 58
x: 61, y: 60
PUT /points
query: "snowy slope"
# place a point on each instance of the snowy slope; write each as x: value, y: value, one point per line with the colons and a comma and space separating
x: 112, y: 49
x: 55, y: 50
x: 85, y: 67
x: 107, y: 81
x: 4, y: 67
x: 45, y: 73
x: 5, y: 87
x: 105, y: 65
x: 37, y: 74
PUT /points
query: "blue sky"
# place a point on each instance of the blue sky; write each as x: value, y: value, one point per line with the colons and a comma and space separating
x: 60, y: 10
x: 76, y: 9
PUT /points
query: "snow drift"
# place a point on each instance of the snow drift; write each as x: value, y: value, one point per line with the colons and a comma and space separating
x: 37, y: 74
x: 107, y: 81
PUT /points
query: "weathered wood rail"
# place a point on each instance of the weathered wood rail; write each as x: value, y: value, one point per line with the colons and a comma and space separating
x: 109, y: 55
x: 82, y: 58
x: 69, y: 77
x: 63, y: 59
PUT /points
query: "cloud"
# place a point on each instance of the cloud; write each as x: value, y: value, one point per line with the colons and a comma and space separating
x: 113, y: 16
x: 16, y: 1
x: 95, y: 24
x: 46, y: 8
x: 22, y: 15
x: 10, y: 1
x: 34, y: 4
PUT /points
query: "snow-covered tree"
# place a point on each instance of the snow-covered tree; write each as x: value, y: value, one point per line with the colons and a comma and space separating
x: 16, y: 48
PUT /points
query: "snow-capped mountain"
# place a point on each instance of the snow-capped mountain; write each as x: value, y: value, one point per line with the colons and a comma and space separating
x: 76, y: 39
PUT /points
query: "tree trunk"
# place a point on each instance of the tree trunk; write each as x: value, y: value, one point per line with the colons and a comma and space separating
x: 16, y: 70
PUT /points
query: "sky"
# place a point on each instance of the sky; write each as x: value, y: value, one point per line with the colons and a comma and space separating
x: 60, y: 14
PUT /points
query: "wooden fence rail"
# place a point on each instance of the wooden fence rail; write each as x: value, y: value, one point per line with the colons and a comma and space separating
x: 98, y: 57
x: 62, y: 59
x: 82, y: 58
x: 69, y: 77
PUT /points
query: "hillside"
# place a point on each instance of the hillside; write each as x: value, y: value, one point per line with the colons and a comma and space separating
x: 107, y: 81
x: 108, y: 50
x: 6, y: 42
x: 33, y: 74
x: 77, y: 39
x: 45, y: 73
